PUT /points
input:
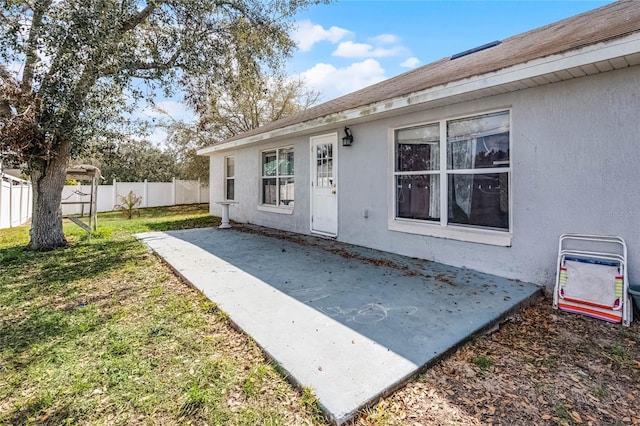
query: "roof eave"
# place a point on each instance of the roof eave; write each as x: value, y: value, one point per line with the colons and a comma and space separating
x: 595, y: 53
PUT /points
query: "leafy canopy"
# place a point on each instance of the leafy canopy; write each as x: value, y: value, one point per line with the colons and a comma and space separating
x: 68, y: 69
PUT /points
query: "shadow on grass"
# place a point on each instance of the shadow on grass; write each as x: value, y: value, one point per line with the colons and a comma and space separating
x: 40, y: 291
x: 38, y: 411
x: 159, y: 212
x: 199, y: 222
x: 37, y: 289
x: 28, y: 270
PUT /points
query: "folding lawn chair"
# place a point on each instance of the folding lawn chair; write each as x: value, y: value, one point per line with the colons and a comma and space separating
x: 593, y: 281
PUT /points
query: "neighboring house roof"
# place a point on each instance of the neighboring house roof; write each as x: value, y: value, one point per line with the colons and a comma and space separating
x: 616, y: 21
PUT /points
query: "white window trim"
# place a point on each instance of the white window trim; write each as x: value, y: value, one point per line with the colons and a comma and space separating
x: 442, y: 229
x: 227, y: 178
x: 270, y: 208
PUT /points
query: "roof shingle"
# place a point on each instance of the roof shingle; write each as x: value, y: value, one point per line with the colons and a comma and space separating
x: 599, y: 25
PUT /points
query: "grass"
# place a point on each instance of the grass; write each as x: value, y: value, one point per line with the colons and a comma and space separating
x: 561, y: 411
x: 483, y: 362
x: 616, y: 353
x: 601, y: 391
x: 101, y: 332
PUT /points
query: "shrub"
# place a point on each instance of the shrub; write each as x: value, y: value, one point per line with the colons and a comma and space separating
x: 128, y: 204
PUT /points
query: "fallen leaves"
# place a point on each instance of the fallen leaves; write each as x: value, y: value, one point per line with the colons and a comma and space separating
x: 547, y: 368
x: 576, y: 417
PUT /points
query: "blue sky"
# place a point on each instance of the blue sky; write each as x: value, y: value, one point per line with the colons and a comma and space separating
x: 349, y: 44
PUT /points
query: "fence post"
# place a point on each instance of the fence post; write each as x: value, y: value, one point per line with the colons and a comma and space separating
x: 115, y: 193
x: 10, y: 203
x: 30, y: 200
x: 78, y: 197
x: 173, y: 192
x: 199, y: 192
x: 1, y: 191
x: 145, y: 194
x: 20, y: 222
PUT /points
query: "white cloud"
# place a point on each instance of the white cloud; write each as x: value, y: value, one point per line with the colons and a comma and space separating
x: 157, y: 136
x: 386, y: 39
x: 411, y: 62
x: 349, y: 49
x: 306, y: 34
x: 332, y: 82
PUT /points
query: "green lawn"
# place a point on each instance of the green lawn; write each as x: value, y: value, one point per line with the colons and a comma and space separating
x: 102, y: 332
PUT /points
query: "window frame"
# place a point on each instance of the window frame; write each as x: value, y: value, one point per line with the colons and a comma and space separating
x: 442, y: 228
x: 227, y: 178
x: 277, y: 208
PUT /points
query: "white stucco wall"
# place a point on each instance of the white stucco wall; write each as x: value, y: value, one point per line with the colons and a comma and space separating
x: 576, y: 168
x: 247, y: 187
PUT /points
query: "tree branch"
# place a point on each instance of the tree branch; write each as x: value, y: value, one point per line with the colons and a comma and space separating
x: 9, y: 86
x: 144, y: 66
x: 32, y: 58
x: 138, y: 18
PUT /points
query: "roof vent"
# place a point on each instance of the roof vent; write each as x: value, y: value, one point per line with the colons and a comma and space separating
x: 475, y: 49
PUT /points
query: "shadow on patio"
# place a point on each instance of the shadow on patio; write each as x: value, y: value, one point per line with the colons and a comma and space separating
x: 352, y: 323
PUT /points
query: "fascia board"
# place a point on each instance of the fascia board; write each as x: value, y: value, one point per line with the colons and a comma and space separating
x: 574, y: 58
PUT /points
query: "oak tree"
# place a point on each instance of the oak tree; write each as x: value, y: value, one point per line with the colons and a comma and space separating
x: 246, y: 98
x: 69, y: 68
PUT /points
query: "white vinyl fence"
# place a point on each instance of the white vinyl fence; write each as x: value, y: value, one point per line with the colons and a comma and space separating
x: 15, y: 201
x: 154, y: 194
x: 16, y: 197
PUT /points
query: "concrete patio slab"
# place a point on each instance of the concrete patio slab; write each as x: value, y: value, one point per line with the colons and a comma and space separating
x: 348, y: 322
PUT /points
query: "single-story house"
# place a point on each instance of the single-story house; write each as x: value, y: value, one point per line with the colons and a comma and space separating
x: 480, y: 160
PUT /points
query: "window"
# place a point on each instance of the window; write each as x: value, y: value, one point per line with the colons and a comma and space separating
x: 229, y: 178
x: 277, y: 177
x: 465, y: 159
x: 478, y: 171
x: 418, y: 172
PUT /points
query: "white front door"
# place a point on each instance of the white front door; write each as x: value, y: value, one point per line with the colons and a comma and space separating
x: 324, y: 184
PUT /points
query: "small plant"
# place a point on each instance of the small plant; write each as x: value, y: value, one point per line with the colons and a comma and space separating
x: 254, y: 380
x: 310, y: 401
x: 561, y: 411
x: 196, y: 398
x: 483, y: 362
x: 128, y: 204
x: 601, y: 392
x: 616, y: 353
x: 382, y: 415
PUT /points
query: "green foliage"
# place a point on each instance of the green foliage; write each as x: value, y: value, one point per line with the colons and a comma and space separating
x: 100, y: 55
x: 133, y: 161
x: 246, y: 99
x: 310, y: 401
x: 561, y: 411
x: 183, y: 141
x: 85, y: 63
x: 128, y: 204
x: 617, y: 354
x: 601, y: 391
x: 252, y: 384
x: 483, y: 362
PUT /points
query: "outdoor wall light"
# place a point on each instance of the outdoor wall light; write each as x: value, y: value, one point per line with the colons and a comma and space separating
x: 348, y: 138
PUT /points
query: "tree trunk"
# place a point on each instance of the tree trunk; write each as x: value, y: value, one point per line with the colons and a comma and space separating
x: 48, y: 178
